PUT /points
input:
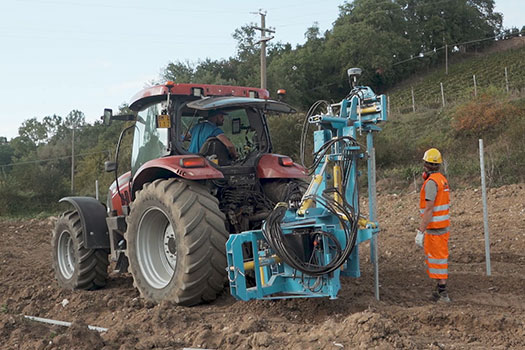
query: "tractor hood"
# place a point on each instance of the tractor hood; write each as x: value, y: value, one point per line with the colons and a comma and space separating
x: 209, y: 103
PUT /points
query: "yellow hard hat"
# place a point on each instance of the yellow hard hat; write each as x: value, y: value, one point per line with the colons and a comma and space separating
x: 432, y: 156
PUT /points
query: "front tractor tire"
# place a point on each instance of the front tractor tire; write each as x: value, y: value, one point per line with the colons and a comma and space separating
x: 176, y: 241
x: 76, y: 267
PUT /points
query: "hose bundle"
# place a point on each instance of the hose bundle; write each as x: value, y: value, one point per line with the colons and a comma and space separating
x: 275, y: 237
x: 344, y: 212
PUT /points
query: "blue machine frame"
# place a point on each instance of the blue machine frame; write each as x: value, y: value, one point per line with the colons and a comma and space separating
x: 272, y: 278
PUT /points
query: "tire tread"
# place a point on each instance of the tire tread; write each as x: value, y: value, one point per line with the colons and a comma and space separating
x: 203, y: 241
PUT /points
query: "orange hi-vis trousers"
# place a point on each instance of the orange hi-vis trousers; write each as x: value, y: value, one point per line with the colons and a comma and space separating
x: 436, y: 251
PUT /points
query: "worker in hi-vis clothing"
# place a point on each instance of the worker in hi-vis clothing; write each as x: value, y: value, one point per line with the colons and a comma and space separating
x: 433, y: 231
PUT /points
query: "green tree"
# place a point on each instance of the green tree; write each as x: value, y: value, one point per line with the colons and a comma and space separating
x: 179, y: 72
x: 6, y: 153
x: 432, y: 24
x: 246, y: 42
x: 75, y: 119
x: 33, y: 131
x: 91, y: 166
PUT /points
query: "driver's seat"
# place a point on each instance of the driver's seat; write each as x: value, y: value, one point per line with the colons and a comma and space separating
x: 213, y: 149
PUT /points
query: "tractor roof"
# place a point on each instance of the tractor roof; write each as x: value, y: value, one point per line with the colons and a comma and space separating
x: 153, y: 92
x: 225, y: 102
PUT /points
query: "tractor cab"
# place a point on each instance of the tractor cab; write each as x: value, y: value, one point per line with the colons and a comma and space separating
x: 244, y: 124
x: 166, y: 116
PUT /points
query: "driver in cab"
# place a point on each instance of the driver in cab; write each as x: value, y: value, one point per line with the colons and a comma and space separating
x: 210, y: 128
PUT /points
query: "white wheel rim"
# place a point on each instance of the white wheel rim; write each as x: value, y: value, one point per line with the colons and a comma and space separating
x: 156, y: 248
x: 66, y: 255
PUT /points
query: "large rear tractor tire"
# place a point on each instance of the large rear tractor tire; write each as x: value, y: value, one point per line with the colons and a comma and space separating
x: 76, y: 267
x: 176, y: 241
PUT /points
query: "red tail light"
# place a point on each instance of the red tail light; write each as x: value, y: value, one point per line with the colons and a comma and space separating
x: 285, y: 161
x: 193, y: 162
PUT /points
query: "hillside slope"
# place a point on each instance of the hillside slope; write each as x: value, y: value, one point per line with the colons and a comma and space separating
x: 458, y: 84
x: 493, y: 114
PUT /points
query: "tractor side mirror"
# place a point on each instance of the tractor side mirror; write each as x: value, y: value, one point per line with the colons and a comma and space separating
x: 236, y: 126
x: 110, y: 166
x: 106, y: 118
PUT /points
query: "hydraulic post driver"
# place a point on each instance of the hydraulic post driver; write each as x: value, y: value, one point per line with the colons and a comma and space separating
x: 304, y: 248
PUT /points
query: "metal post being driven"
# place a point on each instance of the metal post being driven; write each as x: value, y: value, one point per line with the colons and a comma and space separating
x: 73, y: 160
x: 372, y: 197
x: 485, y: 209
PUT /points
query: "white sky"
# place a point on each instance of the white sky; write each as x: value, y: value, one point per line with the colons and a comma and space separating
x: 60, y: 55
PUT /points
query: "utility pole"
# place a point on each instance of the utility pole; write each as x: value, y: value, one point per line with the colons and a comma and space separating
x: 263, y: 41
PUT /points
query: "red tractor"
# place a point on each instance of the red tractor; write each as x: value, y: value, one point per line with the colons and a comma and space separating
x: 168, y: 219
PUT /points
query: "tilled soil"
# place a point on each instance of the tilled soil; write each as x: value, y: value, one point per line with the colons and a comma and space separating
x: 485, y: 313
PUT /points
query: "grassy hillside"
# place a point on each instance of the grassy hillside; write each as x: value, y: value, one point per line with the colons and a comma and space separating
x: 458, y: 84
x: 494, y: 115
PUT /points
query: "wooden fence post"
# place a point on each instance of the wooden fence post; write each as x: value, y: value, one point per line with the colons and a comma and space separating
x: 506, y: 80
x: 413, y: 100
x: 442, y: 95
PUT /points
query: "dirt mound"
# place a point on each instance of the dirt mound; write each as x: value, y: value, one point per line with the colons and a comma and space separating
x: 486, y: 312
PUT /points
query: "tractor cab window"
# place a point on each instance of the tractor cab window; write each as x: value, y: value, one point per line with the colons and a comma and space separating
x: 236, y: 127
x: 149, y: 142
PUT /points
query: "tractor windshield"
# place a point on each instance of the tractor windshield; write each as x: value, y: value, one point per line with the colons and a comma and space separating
x: 149, y: 142
x: 243, y: 123
x: 241, y: 126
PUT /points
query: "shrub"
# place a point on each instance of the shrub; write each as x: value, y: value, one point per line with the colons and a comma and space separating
x: 482, y: 114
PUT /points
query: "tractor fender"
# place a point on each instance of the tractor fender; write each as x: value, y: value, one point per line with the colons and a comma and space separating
x: 168, y: 167
x: 269, y: 167
x: 93, y: 219
x: 116, y: 201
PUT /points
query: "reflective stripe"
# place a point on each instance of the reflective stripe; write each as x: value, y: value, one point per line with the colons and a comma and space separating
x: 434, y: 233
x: 438, y: 271
x: 438, y: 261
x: 441, y: 207
x: 440, y: 218
x: 438, y: 208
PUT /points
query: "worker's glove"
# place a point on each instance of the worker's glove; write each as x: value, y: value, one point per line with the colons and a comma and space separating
x: 420, y: 237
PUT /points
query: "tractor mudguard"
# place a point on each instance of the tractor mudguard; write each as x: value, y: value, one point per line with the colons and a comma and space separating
x: 269, y: 167
x: 167, y: 167
x: 117, y: 201
x: 93, y: 219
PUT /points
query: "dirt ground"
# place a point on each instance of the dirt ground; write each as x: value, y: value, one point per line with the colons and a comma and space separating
x: 486, y: 312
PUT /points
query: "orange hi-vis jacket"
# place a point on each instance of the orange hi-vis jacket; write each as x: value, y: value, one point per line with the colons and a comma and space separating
x: 440, y: 213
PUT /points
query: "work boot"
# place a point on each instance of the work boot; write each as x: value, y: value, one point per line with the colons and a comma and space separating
x: 440, y: 295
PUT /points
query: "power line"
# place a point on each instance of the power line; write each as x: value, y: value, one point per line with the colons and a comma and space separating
x: 423, y: 54
x: 298, y: 3
x: 127, y: 7
x: 50, y: 159
x: 100, y: 39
